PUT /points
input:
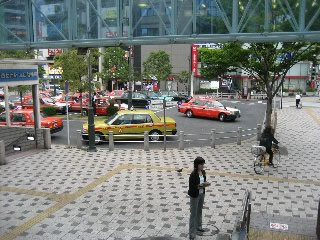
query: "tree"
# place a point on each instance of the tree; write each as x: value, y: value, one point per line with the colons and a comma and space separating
x: 74, y: 69
x: 268, y: 63
x: 116, y: 67
x: 184, y: 78
x: 157, y: 65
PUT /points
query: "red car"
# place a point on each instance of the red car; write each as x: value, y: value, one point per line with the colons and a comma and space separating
x: 208, y: 108
x: 25, y: 118
x: 115, y: 94
x: 101, y: 107
x: 45, y: 102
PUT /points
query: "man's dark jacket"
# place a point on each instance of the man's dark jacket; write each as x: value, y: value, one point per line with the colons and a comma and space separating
x: 267, y: 139
x: 194, y: 181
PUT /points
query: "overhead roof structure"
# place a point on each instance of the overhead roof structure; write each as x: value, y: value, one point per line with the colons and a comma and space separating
x: 40, y: 24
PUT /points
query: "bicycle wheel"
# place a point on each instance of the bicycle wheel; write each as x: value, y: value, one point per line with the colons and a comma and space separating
x: 276, y: 158
x: 258, y: 165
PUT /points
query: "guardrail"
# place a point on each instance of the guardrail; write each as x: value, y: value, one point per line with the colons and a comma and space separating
x: 242, y: 225
x: 213, y: 137
x: 236, y: 95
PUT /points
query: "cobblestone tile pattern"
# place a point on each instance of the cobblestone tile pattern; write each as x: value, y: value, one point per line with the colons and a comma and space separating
x: 140, y: 202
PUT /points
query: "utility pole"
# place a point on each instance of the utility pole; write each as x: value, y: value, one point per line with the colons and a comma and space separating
x: 131, y: 72
x: 91, y: 127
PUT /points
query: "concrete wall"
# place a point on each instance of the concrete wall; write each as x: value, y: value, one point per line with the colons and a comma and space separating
x: 18, y: 136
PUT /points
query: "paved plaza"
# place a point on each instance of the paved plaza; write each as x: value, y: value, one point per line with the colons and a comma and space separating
x: 132, y: 194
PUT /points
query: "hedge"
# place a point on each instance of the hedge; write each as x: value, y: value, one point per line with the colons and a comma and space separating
x: 49, y: 111
x: 112, y: 110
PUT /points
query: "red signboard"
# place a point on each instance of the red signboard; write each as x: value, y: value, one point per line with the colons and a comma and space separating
x: 194, y: 54
x: 53, y: 52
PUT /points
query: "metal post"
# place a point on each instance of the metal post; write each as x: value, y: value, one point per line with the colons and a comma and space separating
x: 213, y: 138
x: 130, y: 77
x: 91, y: 127
x: 267, y: 15
x: 191, y: 84
x: 181, y: 140
x: 258, y: 132
x: 281, y: 95
x: 79, y: 140
x: 302, y: 17
x: 66, y: 88
x: 36, y: 111
x: 111, y: 143
x: 235, y: 16
x: 165, y: 126
x: 146, y: 141
x: 239, y: 136
x: 6, y: 101
x: 47, y: 138
x: 2, y: 153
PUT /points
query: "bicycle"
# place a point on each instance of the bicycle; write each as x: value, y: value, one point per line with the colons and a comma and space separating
x: 262, y: 157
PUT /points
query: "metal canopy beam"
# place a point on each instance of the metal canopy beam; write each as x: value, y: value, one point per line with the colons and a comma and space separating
x: 138, y: 23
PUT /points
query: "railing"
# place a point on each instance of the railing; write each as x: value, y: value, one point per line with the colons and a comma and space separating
x: 241, y: 228
x: 235, y: 95
x: 213, y: 137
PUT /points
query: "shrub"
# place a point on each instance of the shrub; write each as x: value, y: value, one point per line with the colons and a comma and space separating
x: 49, y: 111
x: 206, y: 90
x: 309, y: 89
x: 112, y: 110
x: 1, y: 109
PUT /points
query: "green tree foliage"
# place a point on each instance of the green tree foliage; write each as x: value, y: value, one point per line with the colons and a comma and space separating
x: 75, y: 70
x: 268, y: 63
x: 115, y: 65
x: 158, y: 65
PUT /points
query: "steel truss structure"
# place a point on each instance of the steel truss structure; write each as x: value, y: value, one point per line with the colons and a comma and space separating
x: 94, y: 23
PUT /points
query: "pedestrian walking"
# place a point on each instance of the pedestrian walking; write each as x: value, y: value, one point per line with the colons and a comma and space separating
x: 298, y: 99
x: 197, y: 184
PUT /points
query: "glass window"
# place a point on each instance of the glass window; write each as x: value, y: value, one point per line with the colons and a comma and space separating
x: 2, y: 117
x: 110, y: 120
x: 123, y: 119
x: 198, y: 102
x: 218, y: 104
x: 18, y: 117
x: 209, y: 104
x: 141, y: 118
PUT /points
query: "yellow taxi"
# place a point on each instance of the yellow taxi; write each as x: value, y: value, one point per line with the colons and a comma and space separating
x: 132, y: 123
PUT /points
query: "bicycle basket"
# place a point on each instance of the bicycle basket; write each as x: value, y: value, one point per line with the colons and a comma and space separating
x: 257, y: 150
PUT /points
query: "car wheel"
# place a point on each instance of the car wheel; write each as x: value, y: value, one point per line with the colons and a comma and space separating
x: 189, y: 114
x: 155, y: 135
x: 98, y: 138
x: 222, y: 117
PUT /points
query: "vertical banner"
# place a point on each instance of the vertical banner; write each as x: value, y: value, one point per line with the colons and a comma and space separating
x: 194, y: 54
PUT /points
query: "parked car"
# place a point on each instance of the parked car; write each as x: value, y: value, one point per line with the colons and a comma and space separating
x: 132, y: 122
x: 208, y: 108
x: 175, y: 96
x: 25, y: 118
x: 45, y: 102
x: 115, y: 94
x: 139, y: 100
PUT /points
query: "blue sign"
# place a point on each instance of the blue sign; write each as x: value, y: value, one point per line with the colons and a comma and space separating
x: 12, y: 75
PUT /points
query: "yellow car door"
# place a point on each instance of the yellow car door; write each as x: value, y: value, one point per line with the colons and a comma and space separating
x: 122, y: 125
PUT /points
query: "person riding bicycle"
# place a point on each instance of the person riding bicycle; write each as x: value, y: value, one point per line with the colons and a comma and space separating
x: 266, y: 140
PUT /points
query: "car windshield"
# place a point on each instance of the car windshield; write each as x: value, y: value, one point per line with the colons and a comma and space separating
x: 218, y: 104
x: 48, y: 100
x: 113, y: 117
x: 154, y: 94
x: 157, y: 116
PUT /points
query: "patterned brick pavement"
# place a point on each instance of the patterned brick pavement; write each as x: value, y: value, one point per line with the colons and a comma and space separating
x: 130, y: 194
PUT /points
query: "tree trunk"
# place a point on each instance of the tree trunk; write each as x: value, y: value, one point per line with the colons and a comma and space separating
x: 20, y: 97
x: 268, y: 111
x: 81, y: 103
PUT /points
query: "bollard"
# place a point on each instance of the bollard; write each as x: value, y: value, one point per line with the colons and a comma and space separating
x: 2, y: 153
x: 47, y: 138
x: 181, y: 140
x: 79, y: 140
x: 258, y: 132
x: 213, y: 138
x: 111, y: 143
x: 146, y: 141
x: 239, y: 136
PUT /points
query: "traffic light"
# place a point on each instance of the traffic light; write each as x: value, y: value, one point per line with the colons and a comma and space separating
x: 313, y: 72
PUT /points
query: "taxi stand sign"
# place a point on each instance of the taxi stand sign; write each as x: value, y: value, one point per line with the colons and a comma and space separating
x: 18, y: 74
